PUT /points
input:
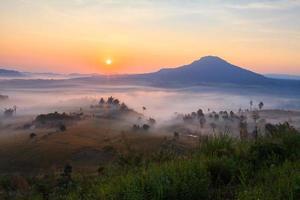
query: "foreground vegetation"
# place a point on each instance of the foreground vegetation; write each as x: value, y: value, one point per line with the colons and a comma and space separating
x: 221, y: 167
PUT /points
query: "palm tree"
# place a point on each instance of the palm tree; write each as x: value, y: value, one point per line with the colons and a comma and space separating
x: 251, y: 104
x: 255, y: 116
x: 261, y: 105
x: 243, y: 128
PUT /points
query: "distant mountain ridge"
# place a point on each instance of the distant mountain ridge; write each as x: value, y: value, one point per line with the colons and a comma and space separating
x: 208, y: 70
x: 283, y: 76
x: 6, y: 73
x: 10, y: 73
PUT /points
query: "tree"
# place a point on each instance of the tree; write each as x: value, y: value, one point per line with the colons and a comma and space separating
x: 32, y: 135
x: 152, y: 121
x: 251, y: 104
x: 123, y: 107
x: 144, y: 109
x: 15, y: 109
x: 255, y: 132
x: 202, y: 121
x: 8, y: 112
x: 243, y: 128
x: 176, y: 135
x: 62, y: 127
x: 146, y: 127
x: 135, y: 127
x: 240, y: 110
x: 225, y: 115
x: 216, y: 116
x: 65, y: 180
x: 255, y: 116
x: 200, y: 113
x: 101, y: 102
x: 116, y: 102
x: 67, y: 171
x: 213, y: 126
x: 261, y: 105
x: 110, y: 100
x: 194, y: 115
x: 232, y: 115
x: 201, y: 118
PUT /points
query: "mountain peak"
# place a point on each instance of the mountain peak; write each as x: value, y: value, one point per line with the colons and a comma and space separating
x: 211, y: 60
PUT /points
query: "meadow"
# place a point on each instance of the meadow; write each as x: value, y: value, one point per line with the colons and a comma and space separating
x: 217, y: 167
x: 108, y: 150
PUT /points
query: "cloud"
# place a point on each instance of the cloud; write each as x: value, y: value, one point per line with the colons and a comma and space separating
x: 266, y: 5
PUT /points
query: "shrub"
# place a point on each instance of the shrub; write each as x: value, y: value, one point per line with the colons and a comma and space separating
x: 266, y: 153
x: 281, y: 182
x: 172, y: 180
x: 62, y: 127
x: 222, y: 171
x: 218, y: 146
x: 146, y: 127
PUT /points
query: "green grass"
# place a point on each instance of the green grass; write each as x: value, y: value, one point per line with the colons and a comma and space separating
x: 220, y: 168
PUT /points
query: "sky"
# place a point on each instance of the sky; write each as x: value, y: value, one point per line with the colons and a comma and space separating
x: 81, y: 36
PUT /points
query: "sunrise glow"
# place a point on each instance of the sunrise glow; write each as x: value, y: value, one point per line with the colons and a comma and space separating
x: 76, y: 36
x: 108, y: 61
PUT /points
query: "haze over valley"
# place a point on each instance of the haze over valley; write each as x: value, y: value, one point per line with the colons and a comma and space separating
x: 149, y: 100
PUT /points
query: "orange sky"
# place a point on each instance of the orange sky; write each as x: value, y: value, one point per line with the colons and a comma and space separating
x: 78, y: 36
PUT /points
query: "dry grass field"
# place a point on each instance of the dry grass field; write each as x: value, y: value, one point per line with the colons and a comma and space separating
x: 95, y: 141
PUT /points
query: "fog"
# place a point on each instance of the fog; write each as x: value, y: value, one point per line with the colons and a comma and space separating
x: 160, y: 103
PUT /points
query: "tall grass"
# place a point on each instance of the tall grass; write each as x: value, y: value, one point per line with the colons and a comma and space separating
x: 221, y: 168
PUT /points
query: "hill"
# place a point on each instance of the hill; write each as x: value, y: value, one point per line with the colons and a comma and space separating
x: 10, y: 73
x: 283, y: 76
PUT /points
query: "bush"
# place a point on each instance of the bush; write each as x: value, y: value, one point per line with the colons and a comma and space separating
x: 218, y: 146
x: 266, y: 153
x: 222, y: 170
x: 280, y: 182
x: 62, y: 127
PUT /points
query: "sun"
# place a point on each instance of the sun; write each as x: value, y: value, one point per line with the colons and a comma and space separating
x: 108, y: 61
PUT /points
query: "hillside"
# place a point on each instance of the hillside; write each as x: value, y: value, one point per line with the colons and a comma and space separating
x: 10, y: 73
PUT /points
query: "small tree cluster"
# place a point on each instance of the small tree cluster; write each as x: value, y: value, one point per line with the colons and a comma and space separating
x: 144, y: 127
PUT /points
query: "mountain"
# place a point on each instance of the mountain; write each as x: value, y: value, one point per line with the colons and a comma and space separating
x: 283, y: 76
x: 10, y: 73
x: 4, y: 73
x: 209, y: 69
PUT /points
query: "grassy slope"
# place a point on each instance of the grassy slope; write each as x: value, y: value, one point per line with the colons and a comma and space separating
x: 220, y: 168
